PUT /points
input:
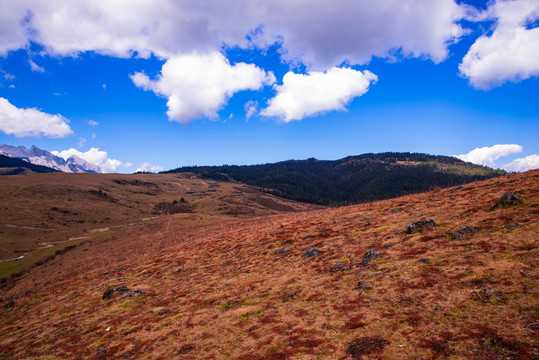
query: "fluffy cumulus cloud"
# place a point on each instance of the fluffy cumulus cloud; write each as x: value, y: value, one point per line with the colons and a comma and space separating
x: 511, y: 52
x: 145, y: 167
x: 199, y: 85
x: 323, y: 34
x: 31, y: 122
x: 489, y: 154
x: 320, y: 33
x: 527, y: 163
x: 94, y: 156
x: 306, y: 95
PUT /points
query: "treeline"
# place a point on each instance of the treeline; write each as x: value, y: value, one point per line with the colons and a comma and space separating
x: 354, y: 179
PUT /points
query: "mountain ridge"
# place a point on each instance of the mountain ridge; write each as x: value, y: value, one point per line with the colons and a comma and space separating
x: 37, y: 156
x: 15, y: 166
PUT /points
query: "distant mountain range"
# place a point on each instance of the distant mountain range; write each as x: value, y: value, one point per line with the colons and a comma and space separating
x: 37, y: 156
x: 354, y: 179
x: 15, y: 166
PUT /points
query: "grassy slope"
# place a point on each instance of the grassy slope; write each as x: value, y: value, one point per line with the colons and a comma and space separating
x: 40, y: 213
x: 219, y: 291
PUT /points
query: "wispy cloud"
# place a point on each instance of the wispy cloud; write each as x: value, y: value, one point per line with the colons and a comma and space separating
x: 35, y: 67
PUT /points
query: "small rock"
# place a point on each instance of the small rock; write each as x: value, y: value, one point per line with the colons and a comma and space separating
x: 376, y: 273
x: 323, y: 230
x: 340, y: 266
x: 512, y: 225
x: 230, y: 284
x: 308, y: 237
x: 437, y: 308
x: 132, y: 294
x: 466, y: 230
x: 507, y: 199
x: 311, y: 252
x: 282, y: 251
x: 420, y: 225
x: 424, y: 260
x: 101, y: 352
x: 109, y: 293
x: 177, y: 271
x: 112, y: 272
x: 370, y: 255
x: 161, y: 312
x: 364, y: 286
x: 9, y: 304
x: 391, y: 245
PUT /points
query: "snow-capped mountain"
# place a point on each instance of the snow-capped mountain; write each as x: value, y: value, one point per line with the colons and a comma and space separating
x: 37, y: 156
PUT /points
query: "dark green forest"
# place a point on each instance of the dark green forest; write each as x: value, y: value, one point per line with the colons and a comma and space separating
x: 354, y: 179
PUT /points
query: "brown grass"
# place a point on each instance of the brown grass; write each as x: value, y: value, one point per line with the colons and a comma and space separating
x: 43, y: 213
x: 227, y: 295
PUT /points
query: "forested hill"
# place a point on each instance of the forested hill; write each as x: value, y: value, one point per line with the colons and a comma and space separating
x: 354, y: 179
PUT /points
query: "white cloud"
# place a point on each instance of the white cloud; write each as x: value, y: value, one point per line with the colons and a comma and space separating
x: 82, y: 141
x: 94, y: 156
x: 31, y: 122
x: 511, y: 52
x: 488, y: 155
x: 199, y: 85
x: 320, y: 33
x: 306, y: 95
x: 149, y: 167
x: 35, y: 67
x: 523, y: 164
x: 127, y: 164
x: 326, y: 33
x: 92, y: 123
x: 13, y: 26
x: 250, y: 108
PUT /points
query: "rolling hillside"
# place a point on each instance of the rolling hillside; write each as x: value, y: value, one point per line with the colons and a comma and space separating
x: 352, y: 180
x: 45, y: 213
x: 446, y: 274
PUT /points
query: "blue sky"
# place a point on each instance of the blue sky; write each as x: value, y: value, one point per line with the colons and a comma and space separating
x: 160, y: 84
